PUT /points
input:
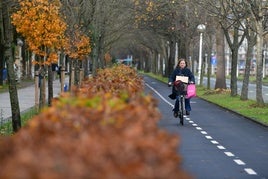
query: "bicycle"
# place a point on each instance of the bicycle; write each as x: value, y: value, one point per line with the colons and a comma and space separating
x: 180, y: 88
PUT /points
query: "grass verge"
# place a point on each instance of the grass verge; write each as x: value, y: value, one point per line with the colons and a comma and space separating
x: 6, y: 126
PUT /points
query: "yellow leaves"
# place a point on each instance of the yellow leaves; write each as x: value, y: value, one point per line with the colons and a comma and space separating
x: 52, y: 58
x: 150, y: 6
x: 44, y: 30
x: 125, y: 143
x: 78, y: 46
x: 159, y: 18
x: 40, y: 24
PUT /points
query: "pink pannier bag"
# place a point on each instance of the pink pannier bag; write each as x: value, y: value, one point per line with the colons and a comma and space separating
x: 191, y: 91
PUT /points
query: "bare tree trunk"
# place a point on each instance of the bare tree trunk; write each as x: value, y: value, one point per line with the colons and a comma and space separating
x: 50, y: 85
x: 171, y: 59
x: 76, y: 72
x: 251, y: 42
x: 259, y: 77
x: 95, y: 58
x: 220, y: 76
x: 42, y: 82
x: 233, y: 84
x: 15, y: 107
x: 86, y: 67
x: 203, y: 66
x: 8, y: 39
x: 209, y: 69
x: 2, y: 48
x: 72, y: 74
x: 2, y: 63
x: 210, y: 46
x: 167, y: 54
x: 36, y: 86
x: 154, y: 61
x: 147, y: 62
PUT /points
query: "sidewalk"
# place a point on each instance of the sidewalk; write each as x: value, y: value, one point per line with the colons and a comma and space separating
x: 26, y: 99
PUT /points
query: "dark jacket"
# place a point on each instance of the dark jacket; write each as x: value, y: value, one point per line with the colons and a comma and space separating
x: 180, y: 72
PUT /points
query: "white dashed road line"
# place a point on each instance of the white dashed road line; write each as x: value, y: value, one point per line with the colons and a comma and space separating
x: 204, y: 132
x: 214, y: 142
x: 208, y: 137
x: 250, y: 171
x: 221, y: 147
x: 239, y: 162
x: 229, y: 154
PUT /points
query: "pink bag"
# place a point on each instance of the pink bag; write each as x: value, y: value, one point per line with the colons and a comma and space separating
x: 191, y: 91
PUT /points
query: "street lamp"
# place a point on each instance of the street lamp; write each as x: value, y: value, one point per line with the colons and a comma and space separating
x: 200, y: 28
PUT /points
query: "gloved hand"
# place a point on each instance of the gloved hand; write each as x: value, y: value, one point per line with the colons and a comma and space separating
x: 169, y: 84
x: 191, y: 82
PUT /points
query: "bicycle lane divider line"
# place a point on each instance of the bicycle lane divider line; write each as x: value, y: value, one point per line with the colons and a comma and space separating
x: 239, y: 162
x: 164, y: 99
x: 249, y: 171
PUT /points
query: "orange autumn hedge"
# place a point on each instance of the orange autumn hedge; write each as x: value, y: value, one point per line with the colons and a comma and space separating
x: 95, y: 133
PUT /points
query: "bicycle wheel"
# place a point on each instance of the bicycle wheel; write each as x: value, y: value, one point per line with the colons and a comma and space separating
x: 181, y: 110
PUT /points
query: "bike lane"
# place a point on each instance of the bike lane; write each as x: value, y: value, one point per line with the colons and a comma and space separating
x: 215, y: 143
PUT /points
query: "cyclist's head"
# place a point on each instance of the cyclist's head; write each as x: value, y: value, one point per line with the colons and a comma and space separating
x: 182, y: 63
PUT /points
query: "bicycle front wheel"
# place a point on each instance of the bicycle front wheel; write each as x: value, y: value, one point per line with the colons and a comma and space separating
x: 181, y: 110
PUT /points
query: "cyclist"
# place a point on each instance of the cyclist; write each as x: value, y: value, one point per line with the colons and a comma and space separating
x: 181, y: 70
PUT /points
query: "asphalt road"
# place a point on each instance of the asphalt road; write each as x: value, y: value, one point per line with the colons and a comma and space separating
x: 251, y: 88
x: 214, y: 143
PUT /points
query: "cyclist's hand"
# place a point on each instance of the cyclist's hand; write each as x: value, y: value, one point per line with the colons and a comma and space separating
x: 169, y: 84
x: 191, y: 82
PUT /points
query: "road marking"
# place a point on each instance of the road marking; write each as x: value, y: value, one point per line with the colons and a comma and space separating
x: 194, y: 125
x: 204, y: 132
x: 199, y: 128
x: 164, y: 99
x: 229, y: 154
x: 214, y: 142
x: 239, y: 162
x: 208, y: 137
x: 221, y: 147
x: 250, y: 171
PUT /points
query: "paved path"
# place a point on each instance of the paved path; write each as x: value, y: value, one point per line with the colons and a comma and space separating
x: 26, y: 99
x: 214, y: 142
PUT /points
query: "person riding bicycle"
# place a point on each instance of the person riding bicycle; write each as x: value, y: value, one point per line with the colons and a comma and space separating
x: 180, y: 70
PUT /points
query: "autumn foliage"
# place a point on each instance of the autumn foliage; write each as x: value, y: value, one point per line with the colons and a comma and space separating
x: 106, y: 129
x: 77, y: 45
x: 45, y: 31
x: 42, y: 27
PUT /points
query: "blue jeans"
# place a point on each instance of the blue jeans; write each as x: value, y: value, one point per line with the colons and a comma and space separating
x: 177, y: 104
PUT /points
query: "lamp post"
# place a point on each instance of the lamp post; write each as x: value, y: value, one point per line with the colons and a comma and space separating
x: 200, y: 28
